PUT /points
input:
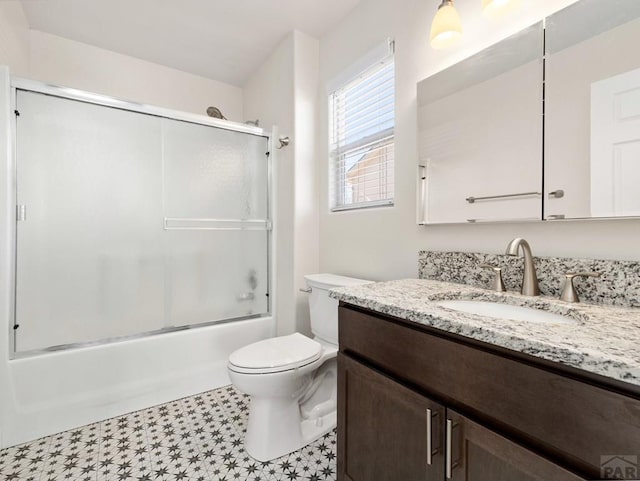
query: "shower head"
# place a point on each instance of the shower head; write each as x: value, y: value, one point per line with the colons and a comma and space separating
x: 215, y: 113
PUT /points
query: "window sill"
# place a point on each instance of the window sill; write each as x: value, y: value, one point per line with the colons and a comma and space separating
x: 363, y: 206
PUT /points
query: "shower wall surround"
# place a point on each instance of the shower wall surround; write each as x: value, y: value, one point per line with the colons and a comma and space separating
x: 618, y: 285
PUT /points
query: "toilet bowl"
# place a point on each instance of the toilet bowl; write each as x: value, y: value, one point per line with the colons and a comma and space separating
x: 277, y: 424
x: 292, y: 380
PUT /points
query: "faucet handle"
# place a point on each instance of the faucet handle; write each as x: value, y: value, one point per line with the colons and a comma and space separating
x: 496, y: 284
x: 569, y: 293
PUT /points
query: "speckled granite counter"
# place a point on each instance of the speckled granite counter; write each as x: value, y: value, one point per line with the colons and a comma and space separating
x: 604, y: 340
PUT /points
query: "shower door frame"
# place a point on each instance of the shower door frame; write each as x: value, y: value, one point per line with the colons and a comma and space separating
x: 16, y: 84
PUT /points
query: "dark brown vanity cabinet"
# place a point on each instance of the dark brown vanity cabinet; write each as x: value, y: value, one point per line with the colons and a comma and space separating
x: 390, y: 432
x: 480, y: 454
x: 417, y: 405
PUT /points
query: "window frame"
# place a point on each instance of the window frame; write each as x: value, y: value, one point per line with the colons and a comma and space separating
x: 378, y: 140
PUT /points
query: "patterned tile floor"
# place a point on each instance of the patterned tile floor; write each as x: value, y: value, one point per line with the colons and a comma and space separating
x: 192, y: 439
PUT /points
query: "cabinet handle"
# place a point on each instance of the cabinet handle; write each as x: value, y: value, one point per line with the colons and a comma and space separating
x: 429, y: 438
x: 448, y: 457
x: 421, y: 213
x: 449, y: 463
x: 430, y: 450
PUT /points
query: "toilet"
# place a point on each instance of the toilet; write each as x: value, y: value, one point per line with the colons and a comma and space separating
x: 292, y: 379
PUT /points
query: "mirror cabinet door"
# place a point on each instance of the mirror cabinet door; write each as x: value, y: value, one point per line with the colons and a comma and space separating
x: 592, y: 110
x: 480, y: 134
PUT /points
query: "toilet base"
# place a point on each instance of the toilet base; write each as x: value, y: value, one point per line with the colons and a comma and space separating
x: 275, y: 428
x: 313, y: 429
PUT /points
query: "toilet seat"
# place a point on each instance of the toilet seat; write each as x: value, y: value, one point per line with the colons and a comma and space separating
x: 277, y: 354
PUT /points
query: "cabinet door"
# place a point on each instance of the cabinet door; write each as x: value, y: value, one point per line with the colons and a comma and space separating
x: 479, y: 454
x: 386, y: 432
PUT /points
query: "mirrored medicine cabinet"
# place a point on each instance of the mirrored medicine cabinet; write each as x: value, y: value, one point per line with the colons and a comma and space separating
x: 544, y: 125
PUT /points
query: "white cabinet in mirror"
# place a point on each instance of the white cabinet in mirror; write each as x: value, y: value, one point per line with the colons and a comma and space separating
x: 592, y: 118
x: 480, y: 135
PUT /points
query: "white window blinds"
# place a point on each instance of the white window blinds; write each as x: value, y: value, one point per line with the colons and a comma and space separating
x: 362, y: 117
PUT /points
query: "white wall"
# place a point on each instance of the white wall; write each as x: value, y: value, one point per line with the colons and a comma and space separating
x: 306, y: 205
x: 282, y: 92
x: 268, y: 96
x: 65, y: 62
x: 14, y: 37
x: 383, y: 243
x: 49, y: 58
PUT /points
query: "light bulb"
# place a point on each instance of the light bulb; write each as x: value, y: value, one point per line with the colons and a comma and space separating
x: 446, y: 28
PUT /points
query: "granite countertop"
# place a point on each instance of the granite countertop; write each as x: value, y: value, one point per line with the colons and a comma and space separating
x: 603, y: 340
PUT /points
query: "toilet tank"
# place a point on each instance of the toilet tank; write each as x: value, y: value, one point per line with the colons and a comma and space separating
x: 324, y: 310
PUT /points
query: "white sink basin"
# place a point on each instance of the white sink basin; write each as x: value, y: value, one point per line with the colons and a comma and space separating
x: 505, y: 311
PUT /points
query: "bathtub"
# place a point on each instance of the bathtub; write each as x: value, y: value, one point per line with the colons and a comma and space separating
x: 58, y: 391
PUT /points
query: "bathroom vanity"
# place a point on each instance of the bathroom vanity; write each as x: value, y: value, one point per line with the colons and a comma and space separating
x: 431, y: 393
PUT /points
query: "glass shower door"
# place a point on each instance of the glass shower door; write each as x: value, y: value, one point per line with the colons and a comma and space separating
x: 134, y: 223
x: 90, y: 250
x: 216, y: 209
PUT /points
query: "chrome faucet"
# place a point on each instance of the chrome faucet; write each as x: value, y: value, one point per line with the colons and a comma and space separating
x: 529, y: 278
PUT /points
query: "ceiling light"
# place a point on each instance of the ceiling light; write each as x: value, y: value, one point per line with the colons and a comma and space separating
x: 497, y: 8
x: 446, y: 28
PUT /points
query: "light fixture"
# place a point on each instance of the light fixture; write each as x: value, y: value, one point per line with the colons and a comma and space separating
x: 446, y: 28
x: 497, y: 8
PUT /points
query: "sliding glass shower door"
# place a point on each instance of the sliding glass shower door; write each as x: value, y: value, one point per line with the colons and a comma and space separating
x: 216, y: 210
x: 133, y: 223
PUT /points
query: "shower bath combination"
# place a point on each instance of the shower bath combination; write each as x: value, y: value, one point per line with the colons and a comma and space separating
x: 145, y: 254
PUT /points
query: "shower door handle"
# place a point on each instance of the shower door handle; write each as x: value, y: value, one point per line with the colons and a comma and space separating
x: 21, y: 213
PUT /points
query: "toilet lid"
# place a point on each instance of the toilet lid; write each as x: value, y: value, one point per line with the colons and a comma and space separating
x: 276, y: 354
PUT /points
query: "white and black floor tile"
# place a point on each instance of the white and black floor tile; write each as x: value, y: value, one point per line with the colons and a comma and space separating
x: 199, y: 438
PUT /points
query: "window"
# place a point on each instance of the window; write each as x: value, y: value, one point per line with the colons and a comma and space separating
x: 362, y: 118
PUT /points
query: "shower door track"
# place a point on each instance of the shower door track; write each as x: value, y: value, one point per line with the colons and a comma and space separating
x: 108, y: 101
x: 131, y: 337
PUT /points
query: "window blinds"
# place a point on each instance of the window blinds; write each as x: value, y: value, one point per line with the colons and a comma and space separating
x: 362, y: 115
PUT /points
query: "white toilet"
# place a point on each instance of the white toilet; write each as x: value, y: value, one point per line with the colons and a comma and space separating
x: 292, y: 379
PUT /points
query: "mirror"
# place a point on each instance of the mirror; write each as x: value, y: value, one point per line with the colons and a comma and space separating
x: 592, y: 110
x: 480, y: 135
